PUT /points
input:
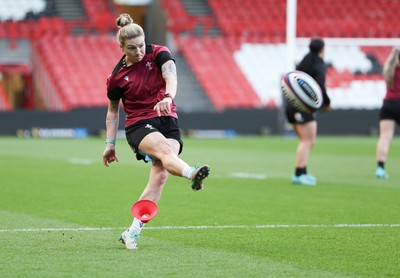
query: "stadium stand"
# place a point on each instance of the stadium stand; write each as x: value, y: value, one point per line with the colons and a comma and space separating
x: 16, y: 10
x: 178, y: 20
x: 351, y: 72
x: 234, y: 47
x: 341, y: 18
x: 251, y: 20
x: 247, y: 26
x: 78, y: 76
x: 380, y: 53
x: 61, y: 82
x: 266, y: 18
x: 211, y: 59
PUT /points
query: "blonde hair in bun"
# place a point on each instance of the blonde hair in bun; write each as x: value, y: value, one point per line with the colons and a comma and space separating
x: 123, y: 20
x: 127, y: 28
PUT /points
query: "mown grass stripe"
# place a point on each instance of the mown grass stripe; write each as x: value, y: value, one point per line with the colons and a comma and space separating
x: 279, y: 226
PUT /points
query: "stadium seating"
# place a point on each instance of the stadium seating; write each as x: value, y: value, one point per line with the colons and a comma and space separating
x: 380, y: 53
x: 63, y: 87
x: 249, y: 19
x: 100, y: 16
x: 16, y: 10
x: 350, y: 72
x: 263, y: 22
x: 178, y: 20
x: 211, y: 59
x: 77, y: 77
x: 229, y: 75
x: 266, y: 18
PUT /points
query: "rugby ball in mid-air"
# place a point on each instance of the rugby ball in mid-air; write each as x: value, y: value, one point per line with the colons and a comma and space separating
x: 302, y: 91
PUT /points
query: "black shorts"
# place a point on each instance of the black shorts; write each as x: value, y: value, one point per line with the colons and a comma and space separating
x: 390, y: 111
x: 167, y: 126
x: 295, y: 116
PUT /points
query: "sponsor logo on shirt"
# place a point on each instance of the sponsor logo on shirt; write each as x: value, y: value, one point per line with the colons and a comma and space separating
x: 149, y: 66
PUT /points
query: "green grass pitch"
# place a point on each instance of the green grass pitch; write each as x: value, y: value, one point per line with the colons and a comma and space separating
x: 62, y: 211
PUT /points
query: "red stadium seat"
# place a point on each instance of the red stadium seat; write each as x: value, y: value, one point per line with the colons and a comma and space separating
x: 71, y: 83
x: 222, y: 80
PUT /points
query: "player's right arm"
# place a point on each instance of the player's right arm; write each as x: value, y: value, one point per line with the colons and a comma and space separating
x: 112, y: 120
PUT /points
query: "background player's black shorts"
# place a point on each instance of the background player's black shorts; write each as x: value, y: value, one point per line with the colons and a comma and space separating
x: 390, y: 111
x: 295, y: 116
x: 168, y: 126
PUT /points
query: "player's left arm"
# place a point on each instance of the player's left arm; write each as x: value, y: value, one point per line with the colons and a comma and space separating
x: 168, y: 71
x: 320, y: 77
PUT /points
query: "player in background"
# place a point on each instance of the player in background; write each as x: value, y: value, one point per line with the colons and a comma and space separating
x: 305, y: 124
x: 390, y: 110
x: 145, y: 80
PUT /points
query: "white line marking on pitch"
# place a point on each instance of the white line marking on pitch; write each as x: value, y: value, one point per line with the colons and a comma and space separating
x: 279, y: 226
x: 248, y: 176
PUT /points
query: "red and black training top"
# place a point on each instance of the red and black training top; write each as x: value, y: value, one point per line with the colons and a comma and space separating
x: 140, y: 86
x: 394, y: 93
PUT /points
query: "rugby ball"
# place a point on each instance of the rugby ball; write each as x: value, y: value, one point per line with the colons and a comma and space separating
x: 302, y: 91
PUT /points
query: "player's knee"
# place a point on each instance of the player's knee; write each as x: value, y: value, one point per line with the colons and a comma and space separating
x: 165, y: 149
